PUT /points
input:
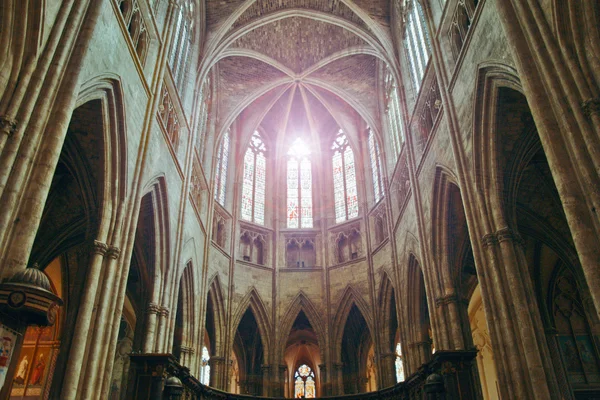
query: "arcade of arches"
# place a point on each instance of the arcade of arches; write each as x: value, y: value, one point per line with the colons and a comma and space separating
x: 299, y: 198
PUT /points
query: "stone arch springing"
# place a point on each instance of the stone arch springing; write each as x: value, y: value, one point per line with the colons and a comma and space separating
x: 390, y: 330
x: 420, y: 335
x: 215, y: 307
x: 301, y: 303
x: 253, y: 302
x: 185, y: 318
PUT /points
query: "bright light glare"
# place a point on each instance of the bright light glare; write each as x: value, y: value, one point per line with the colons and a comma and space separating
x: 299, y: 149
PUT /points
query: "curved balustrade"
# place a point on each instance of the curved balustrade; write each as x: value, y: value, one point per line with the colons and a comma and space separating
x: 449, y: 375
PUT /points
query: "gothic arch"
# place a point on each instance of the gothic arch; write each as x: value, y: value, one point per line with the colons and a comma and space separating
x: 301, y: 303
x: 254, y: 303
x: 350, y: 298
x: 388, y: 312
x: 215, y: 294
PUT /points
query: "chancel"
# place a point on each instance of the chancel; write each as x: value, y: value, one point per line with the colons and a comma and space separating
x: 228, y: 199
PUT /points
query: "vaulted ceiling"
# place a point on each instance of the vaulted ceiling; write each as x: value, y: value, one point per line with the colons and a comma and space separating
x: 291, y: 65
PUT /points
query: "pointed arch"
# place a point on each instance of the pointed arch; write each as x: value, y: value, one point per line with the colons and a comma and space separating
x: 388, y: 312
x: 492, y: 76
x: 350, y: 298
x: 301, y: 303
x: 253, y: 302
x: 215, y: 299
x: 185, y: 314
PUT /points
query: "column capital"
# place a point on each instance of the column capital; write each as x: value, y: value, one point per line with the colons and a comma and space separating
x: 188, y: 350
x: 113, y: 252
x: 8, y: 125
x: 152, y: 308
x: 164, y: 312
x: 99, y: 248
x: 591, y: 107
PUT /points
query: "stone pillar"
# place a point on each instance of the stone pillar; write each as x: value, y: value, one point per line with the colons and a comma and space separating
x: 218, y: 373
x: 523, y: 361
x: 267, y: 384
x: 421, y: 354
x: 387, y: 369
x: 187, y: 353
x: 152, y: 312
x: 325, y: 381
x: 84, y: 319
x: 163, y: 323
x: 279, y: 371
x: 337, y: 380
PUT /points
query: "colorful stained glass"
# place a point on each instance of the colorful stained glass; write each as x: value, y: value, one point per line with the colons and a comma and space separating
x: 299, y: 186
x: 375, y: 156
x: 253, y: 190
x: 248, y: 186
x: 344, y: 179
x: 260, y: 189
x: 417, y: 43
x: 293, y: 219
x: 221, y: 169
x: 351, y: 190
x: 304, y: 382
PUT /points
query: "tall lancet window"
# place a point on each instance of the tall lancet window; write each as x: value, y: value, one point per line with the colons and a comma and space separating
x: 299, y: 186
x: 182, y: 43
x: 253, y: 190
x: 375, y: 156
x: 221, y: 169
x: 304, y: 383
x: 416, y: 43
x: 344, y: 179
x: 394, y: 116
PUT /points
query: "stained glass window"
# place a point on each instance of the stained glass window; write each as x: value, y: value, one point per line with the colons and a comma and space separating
x: 304, y: 383
x: 182, y: 41
x: 253, y: 189
x: 344, y: 179
x: 375, y: 156
x: 416, y: 43
x: 202, y: 119
x: 299, y: 186
x: 205, y: 367
x: 221, y: 169
x: 399, y: 364
x: 394, y: 116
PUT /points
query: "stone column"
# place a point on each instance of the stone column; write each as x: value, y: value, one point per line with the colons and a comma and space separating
x: 79, y: 342
x: 325, y: 381
x: 218, y: 374
x: 457, y: 324
x: 267, y: 384
x: 387, y: 369
x: 152, y: 312
x: 337, y: 380
x: 163, y: 323
x: 279, y: 371
x: 421, y: 354
x: 512, y: 313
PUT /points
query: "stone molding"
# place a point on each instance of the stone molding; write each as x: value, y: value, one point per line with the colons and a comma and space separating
x: 188, y: 350
x: 99, y: 248
x: 501, y: 235
x: 113, y: 252
x: 153, y: 308
x: 591, y: 107
x: 8, y: 125
x: 164, y: 312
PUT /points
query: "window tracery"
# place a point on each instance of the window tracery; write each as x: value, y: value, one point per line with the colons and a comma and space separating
x: 254, y: 183
x: 344, y: 179
x: 416, y: 42
x: 299, y: 186
x: 375, y: 156
x: 392, y: 110
x: 202, y: 124
x: 304, y: 384
x: 221, y: 169
x: 182, y: 44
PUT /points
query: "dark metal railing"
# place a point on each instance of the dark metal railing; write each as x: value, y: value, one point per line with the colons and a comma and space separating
x: 450, y: 375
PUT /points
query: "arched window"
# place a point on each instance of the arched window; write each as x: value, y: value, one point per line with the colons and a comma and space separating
x: 375, y: 156
x: 394, y: 116
x: 202, y: 120
x: 253, y: 190
x: 182, y: 44
x: 221, y: 169
x: 299, y: 186
x: 399, y: 364
x: 304, y: 382
x: 416, y: 43
x: 204, y: 367
x: 344, y: 179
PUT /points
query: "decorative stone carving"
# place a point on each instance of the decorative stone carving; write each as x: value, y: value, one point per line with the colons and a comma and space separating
x: 99, y: 248
x: 153, y: 308
x: 300, y: 252
x: 348, y: 244
x: 253, y: 245
x: 8, y: 125
x: 591, y: 107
